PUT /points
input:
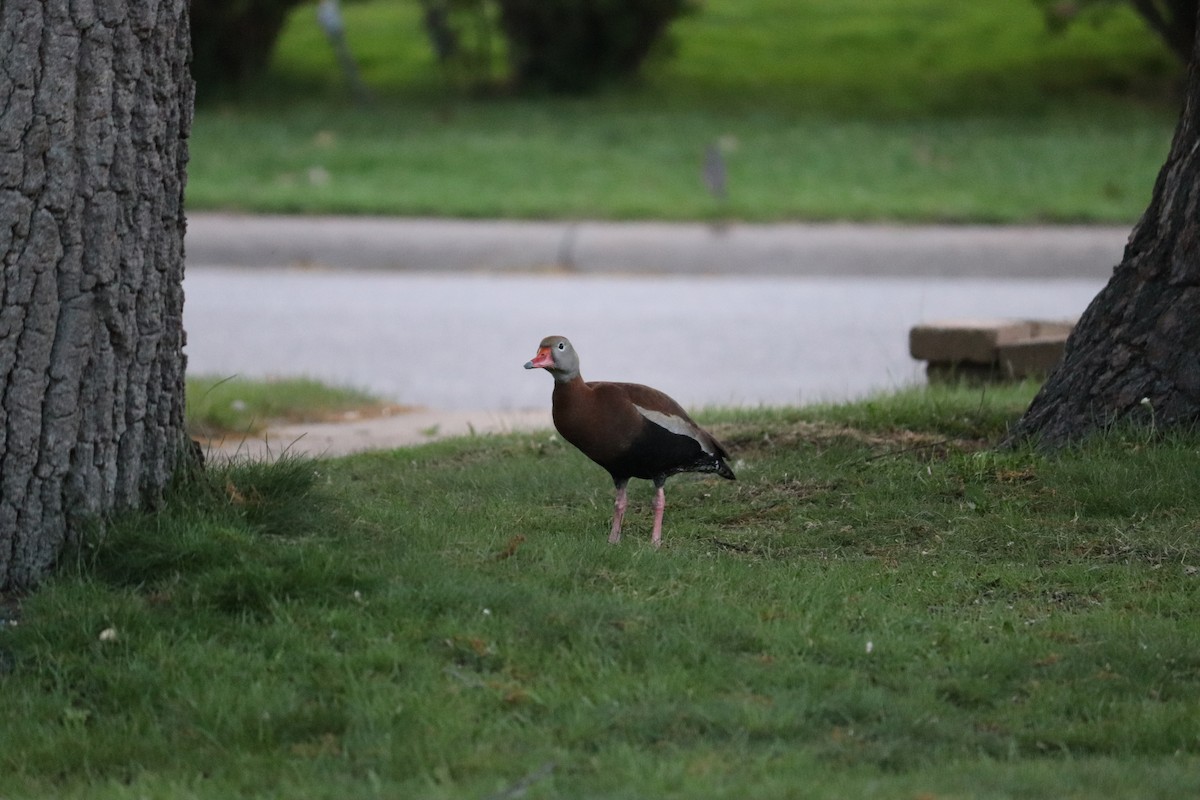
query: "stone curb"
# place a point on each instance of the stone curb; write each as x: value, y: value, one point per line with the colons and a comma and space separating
x: 836, y: 249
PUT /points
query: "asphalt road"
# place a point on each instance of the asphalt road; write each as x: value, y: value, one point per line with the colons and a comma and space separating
x: 443, y: 314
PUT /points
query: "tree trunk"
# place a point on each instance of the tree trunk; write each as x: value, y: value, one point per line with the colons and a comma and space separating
x: 95, y: 110
x: 1135, y: 354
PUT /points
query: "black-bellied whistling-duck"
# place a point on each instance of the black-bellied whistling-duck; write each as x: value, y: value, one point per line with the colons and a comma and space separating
x: 631, y: 430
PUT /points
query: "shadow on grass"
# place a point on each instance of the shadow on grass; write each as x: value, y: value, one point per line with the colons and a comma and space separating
x: 244, y: 538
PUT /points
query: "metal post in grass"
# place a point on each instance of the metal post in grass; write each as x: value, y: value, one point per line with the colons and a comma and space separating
x: 329, y: 17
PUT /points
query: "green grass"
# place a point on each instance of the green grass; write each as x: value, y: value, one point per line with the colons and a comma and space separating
x: 222, y: 406
x: 880, y: 606
x: 912, y: 110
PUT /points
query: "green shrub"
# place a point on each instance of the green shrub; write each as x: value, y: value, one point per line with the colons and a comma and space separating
x: 576, y: 45
x: 556, y: 45
x: 232, y: 40
x: 1173, y: 21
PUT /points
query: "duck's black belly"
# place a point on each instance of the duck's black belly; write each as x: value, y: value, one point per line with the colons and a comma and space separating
x: 657, y: 453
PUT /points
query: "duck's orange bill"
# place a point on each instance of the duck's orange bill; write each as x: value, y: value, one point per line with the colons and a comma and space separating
x: 542, y: 359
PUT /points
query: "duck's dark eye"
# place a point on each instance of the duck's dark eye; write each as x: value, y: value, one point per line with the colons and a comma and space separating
x: 562, y: 345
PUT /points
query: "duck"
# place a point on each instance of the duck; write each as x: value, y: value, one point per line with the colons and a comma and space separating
x: 631, y: 430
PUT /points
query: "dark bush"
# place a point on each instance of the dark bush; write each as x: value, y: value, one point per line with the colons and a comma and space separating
x: 1173, y: 21
x: 232, y: 40
x: 576, y: 45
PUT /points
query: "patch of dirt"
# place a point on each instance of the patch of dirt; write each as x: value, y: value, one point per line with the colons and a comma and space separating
x: 743, y: 440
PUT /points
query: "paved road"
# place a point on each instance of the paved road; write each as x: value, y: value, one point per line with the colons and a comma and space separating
x: 458, y: 341
x: 443, y: 314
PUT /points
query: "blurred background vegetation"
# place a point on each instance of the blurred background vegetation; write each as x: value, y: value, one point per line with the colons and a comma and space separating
x: 908, y: 110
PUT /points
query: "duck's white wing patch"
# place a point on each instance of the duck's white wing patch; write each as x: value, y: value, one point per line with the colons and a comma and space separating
x: 674, y: 424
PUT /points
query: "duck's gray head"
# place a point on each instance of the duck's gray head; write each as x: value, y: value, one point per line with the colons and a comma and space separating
x: 556, y: 355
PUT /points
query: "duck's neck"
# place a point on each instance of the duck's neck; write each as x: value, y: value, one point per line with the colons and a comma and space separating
x: 565, y: 378
x: 571, y: 387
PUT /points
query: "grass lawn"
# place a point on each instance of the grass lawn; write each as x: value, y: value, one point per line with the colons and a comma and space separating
x: 218, y: 407
x: 879, y: 607
x: 911, y: 110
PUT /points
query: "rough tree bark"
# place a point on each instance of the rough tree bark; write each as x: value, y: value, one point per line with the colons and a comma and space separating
x: 1135, y: 353
x: 95, y: 110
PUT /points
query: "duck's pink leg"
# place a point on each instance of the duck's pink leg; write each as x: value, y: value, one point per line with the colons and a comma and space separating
x: 618, y: 514
x: 660, y: 503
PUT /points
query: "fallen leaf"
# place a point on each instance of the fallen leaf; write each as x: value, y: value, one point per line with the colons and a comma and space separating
x: 511, y: 548
x: 235, y: 497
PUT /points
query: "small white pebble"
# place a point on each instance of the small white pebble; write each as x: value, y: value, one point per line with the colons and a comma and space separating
x: 870, y: 645
x: 318, y: 176
x: 487, y: 612
x: 108, y: 635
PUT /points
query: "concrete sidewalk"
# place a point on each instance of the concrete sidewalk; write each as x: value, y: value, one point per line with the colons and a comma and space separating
x: 794, y: 249
x: 331, y: 439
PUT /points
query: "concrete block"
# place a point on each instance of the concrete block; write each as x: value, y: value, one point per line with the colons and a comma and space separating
x: 1033, y: 358
x: 972, y: 341
x: 977, y: 350
x: 964, y: 372
x: 1051, y: 329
